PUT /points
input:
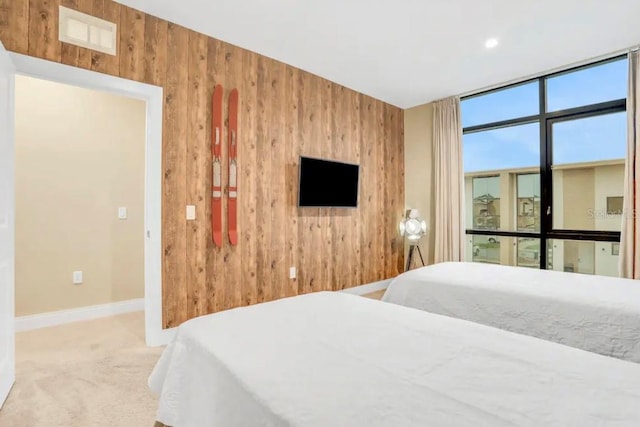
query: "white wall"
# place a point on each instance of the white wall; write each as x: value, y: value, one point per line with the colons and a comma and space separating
x: 609, y: 182
x: 418, y: 170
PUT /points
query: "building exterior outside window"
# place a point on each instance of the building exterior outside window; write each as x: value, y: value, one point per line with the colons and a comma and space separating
x: 544, y: 170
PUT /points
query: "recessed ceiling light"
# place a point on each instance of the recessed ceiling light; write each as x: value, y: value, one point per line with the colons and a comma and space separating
x: 491, y: 43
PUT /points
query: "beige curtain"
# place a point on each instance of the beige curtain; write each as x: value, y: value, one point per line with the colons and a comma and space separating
x: 448, y: 181
x: 630, y: 236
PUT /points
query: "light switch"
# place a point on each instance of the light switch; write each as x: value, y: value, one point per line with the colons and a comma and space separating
x: 122, y: 213
x: 191, y: 212
x: 292, y: 272
x: 77, y: 277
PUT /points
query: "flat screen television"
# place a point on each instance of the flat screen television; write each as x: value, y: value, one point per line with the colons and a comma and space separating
x: 325, y: 183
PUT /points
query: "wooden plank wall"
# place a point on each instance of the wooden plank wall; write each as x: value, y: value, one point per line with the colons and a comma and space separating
x: 284, y: 113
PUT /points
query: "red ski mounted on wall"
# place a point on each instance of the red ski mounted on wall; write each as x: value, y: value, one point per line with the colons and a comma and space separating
x: 232, y: 153
x: 216, y: 153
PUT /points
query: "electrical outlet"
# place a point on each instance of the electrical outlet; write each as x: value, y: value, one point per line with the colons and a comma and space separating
x: 292, y: 273
x: 77, y: 277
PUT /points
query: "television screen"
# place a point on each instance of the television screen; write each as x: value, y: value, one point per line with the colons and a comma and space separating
x: 325, y: 183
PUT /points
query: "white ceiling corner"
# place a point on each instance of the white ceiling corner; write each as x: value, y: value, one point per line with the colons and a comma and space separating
x: 410, y: 52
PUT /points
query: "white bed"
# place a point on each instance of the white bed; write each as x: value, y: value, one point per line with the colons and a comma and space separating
x: 594, y: 313
x: 334, y: 359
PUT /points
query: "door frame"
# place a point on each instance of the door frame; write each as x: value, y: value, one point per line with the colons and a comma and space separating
x: 7, y: 224
x: 25, y: 65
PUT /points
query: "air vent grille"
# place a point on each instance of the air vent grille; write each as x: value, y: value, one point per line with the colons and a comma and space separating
x: 84, y: 30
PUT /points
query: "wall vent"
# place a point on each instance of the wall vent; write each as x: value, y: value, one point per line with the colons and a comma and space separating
x: 84, y: 30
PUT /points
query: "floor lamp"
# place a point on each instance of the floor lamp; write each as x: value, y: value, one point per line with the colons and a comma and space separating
x: 414, y: 228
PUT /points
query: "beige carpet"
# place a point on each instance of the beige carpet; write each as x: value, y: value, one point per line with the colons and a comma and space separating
x: 83, y: 374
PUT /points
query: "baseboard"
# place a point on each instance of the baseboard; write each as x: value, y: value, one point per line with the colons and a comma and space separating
x: 54, y: 318
x: 369, y: 288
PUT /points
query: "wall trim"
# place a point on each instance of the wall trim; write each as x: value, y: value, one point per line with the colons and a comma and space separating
x: 369, y: 287
x: 62, y: 317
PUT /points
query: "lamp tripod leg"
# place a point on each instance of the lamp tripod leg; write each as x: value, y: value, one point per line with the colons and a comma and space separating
x: 410, y: 257
x: 420, y: 253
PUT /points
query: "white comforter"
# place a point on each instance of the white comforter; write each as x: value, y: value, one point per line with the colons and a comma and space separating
x: 333, y: 359
x: 594, y: 313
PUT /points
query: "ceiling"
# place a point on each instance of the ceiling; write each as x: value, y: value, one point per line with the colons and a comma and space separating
x: 410, y: 52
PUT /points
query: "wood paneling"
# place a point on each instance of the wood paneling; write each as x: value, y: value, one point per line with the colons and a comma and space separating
x: 42, y: 31
x: 284, y: 113
x: 198, y: 167
x: 248, y: 179
x: 155, y: 50
x: 131, y: 44
x: 14, y: 22
x: 263, y: 190
x: 174, y: 186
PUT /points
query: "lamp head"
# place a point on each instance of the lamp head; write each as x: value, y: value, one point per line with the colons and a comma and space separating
x: 412, y: 226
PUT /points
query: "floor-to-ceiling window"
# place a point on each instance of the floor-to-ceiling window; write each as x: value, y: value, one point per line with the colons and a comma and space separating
x: 544, y: 170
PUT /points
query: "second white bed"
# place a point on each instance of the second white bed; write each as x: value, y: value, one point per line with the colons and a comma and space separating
x: 594, y: 313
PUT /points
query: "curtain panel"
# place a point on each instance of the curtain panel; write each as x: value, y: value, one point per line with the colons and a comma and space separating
x: 448, y: 181
x: 630, y: 235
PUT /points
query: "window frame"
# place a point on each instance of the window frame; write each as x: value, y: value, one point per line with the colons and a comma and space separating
x: 546, y: 120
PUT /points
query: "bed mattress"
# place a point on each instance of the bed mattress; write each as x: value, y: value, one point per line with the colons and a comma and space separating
x: 594, y: 313
x: 334, y: 359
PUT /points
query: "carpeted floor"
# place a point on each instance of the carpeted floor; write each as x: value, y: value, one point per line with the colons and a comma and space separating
x: 83, y: 374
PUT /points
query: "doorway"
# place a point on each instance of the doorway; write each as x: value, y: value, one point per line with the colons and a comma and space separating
x: 79, y: 203
x: 12, y: 64
x: 28, y: 66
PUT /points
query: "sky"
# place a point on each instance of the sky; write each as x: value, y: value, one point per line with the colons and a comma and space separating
x: 583, y: 140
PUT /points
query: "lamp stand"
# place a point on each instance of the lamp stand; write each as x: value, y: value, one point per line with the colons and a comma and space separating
x: 412, y: 249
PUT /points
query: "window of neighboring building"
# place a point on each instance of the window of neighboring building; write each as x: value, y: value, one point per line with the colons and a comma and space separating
x: 528, y: 202
x: 486, y: 203
x: 544, y: 168
x: 614, y: 205
x: 528, y: 252
x: 486, y: 249
x: 615, y: 249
